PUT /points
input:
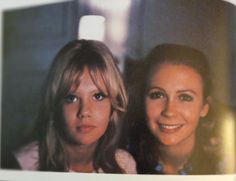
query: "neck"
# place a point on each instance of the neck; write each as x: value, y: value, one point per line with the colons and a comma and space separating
x: 174, y: 157
x: 81, y: 157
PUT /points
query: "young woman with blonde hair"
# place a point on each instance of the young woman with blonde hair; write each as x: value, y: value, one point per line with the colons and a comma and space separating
x: 81, y: 114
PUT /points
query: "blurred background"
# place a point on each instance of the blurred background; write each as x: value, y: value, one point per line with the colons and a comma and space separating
x: 130, y: 28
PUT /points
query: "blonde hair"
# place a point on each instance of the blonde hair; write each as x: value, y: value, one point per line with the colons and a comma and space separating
x: 65, y: 72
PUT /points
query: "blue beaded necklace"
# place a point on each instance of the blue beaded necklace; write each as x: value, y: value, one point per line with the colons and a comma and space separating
x: 184, y: 171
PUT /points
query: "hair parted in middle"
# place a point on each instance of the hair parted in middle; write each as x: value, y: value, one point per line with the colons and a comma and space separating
x: 141, y: 141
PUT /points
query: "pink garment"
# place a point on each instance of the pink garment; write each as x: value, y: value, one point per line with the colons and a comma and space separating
x: 28, y: 157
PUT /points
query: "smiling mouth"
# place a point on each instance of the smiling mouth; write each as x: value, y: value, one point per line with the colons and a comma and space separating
x: 169, y: 128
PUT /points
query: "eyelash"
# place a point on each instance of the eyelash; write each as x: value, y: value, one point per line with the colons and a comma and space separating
x: 70, y: 99
x: 160, y: 95
x: 156, y: 95
x: 186, y: 97
x: 99, y: 96
x: 73, y: 98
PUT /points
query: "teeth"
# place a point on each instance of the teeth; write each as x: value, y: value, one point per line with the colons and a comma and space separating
x: 169, y: 126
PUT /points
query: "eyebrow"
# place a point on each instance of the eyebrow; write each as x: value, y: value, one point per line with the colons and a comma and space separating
x: 155, y: 87
x: 187, y: 90
x: 179, y: 91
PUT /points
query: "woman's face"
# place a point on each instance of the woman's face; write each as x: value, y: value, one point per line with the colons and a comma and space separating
x: 174, y: 104
x: 87, y: 111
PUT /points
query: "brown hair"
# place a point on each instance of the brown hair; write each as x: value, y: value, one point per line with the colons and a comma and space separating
x: 142, y: 141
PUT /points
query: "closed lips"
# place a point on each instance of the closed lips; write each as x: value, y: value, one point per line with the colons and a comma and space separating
x: 85, y: 128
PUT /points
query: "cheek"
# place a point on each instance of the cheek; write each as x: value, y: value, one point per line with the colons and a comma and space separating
x: 69, y: 113
x: 152, y: 109
x: 192, y: 113
x: 102, y: 117
x: 103, y: 112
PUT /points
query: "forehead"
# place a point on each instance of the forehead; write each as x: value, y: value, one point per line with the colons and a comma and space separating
x: 87, y: 77
x: 176, y: 76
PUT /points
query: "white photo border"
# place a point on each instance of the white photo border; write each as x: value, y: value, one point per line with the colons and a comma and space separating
x: 38, y: 176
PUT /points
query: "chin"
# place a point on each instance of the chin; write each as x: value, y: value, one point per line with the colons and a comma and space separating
x: 79, y: 141
x: 86, y: 141
x: 168, y: 141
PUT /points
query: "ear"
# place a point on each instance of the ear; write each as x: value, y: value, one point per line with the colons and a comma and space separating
x: 206, y: 106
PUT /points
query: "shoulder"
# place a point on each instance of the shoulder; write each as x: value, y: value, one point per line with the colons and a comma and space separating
x: 126, y: 161
x: 28, y: 156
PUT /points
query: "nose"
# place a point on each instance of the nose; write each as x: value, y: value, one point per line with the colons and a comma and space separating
x: 84, y: 109
x: 169, y: 108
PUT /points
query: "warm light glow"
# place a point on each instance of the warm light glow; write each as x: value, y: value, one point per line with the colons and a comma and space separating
x: 111, y: 5
x: 228, y: 141
x: 231, y: 1
x: 117, y: 15
x: 92, y: 27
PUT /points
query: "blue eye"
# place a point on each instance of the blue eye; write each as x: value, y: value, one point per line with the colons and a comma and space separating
x: 70, y: 99
x: 99, y: 96
x: 156, y: 95
x: 185, y: 97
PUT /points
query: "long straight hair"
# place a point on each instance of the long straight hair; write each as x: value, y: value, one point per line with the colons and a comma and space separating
x: 65, y: 71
